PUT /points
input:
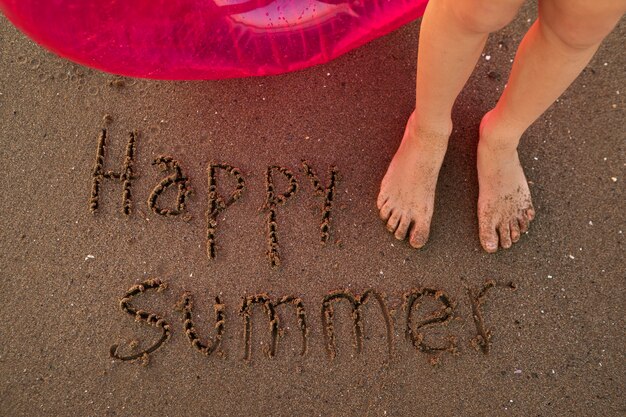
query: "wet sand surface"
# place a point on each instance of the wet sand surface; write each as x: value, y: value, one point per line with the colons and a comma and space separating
x: 442, y: 331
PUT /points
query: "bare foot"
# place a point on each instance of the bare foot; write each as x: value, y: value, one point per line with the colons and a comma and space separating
x: 505, y: 208
x: 407, y: 192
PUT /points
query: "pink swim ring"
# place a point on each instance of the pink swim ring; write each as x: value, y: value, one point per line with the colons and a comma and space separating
x: 206, y: 39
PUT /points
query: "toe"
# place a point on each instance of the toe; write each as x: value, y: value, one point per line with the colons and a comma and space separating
x: 505, y: 235
x: 385, y: 212
x: 381, y: 200
x: 515, y: 231
x: 530, y: 213
x: 523, y: 223
x: 393, y: 221
x: 403, y: 227
x: 488, y: 237
x: 419, y: 235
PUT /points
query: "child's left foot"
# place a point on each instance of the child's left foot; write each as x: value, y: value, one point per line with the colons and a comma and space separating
x: 504, y: 204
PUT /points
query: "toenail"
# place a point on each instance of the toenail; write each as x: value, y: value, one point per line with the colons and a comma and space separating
x: 417, y: 244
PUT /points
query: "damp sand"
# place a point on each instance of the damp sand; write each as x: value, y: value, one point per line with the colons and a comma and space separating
x: 166, y: 251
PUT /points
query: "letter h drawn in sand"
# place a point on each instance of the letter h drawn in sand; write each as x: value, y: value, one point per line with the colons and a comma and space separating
x: 271, y: 204
x: 125, y: 176
x: 186, y: 306
x: 412, y: 301
x: 141, y: 315
x: 217, y: 203
x: 270, y: 307
x: 355, y: 303
x: 176, y: 178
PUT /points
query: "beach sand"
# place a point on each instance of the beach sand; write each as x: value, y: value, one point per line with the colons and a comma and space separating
x: 553, y: 345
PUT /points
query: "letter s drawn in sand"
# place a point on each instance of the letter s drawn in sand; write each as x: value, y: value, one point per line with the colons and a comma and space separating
x: 141, y: 315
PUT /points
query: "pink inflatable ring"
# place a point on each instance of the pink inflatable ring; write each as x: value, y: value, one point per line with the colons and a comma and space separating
x: 206, y: 39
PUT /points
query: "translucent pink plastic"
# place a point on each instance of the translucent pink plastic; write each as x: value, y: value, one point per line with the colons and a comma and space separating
x: 206, y: 39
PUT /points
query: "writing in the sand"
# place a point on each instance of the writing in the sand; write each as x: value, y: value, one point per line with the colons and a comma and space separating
x: 416, y: 325
x: 216, y: 203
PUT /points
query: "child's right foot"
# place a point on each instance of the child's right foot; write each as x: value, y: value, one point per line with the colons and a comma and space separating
x: 407, y: 192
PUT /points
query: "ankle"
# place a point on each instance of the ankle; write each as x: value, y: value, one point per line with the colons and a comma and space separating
x: 437, y: 130
x: 497, y: 135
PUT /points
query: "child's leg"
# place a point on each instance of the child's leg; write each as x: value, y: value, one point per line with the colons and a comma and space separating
x: 552, y: 54
x: 452, y: 36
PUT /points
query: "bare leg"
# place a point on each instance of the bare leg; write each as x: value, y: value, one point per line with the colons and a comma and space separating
x: 552, y: 54
x: 452, y: 36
